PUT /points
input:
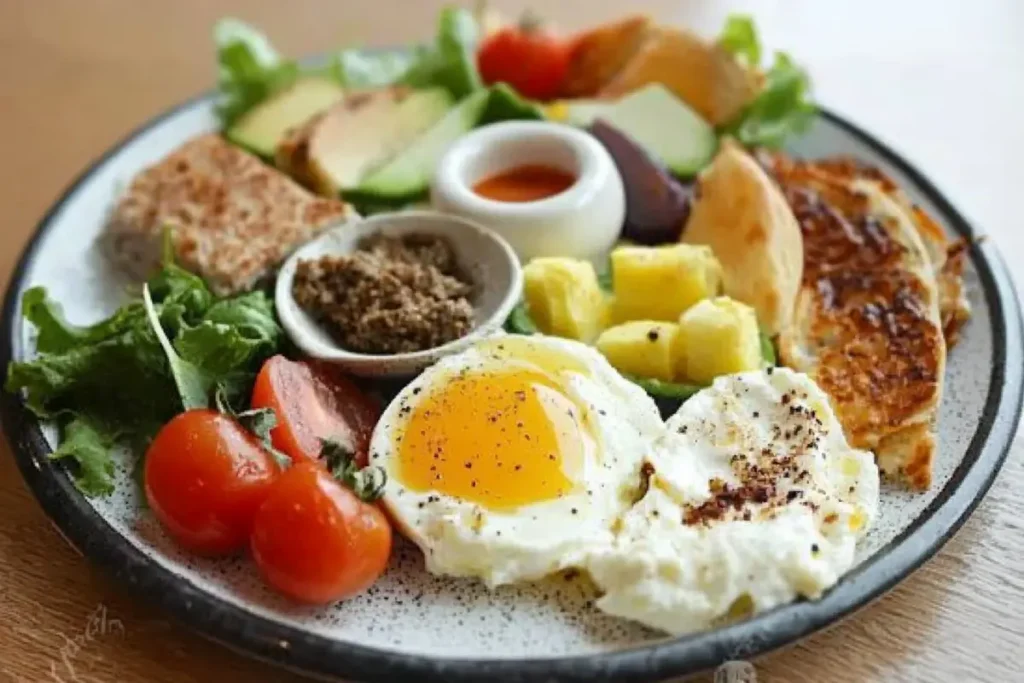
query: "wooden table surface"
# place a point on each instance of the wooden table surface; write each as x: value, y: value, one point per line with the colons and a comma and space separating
x: 939, y: 81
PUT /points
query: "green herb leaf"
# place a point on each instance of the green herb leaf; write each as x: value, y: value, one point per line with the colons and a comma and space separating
x: 768, y: 351
x: 520, y: 322
x: 88, y: 448
x: 250, y: 70
x: 451, y: 62
x: 783, y: 108
x: 193, y: 385
x: 661, y: 389
x: 365, y: 69
x: 56, y: 334
x: 739, y: 36
x: 505, y: 104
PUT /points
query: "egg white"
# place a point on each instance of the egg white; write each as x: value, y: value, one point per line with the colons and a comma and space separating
x: 681, y: 577
x: 463, y: 538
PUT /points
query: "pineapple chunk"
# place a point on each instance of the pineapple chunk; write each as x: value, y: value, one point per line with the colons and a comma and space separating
x: 564, y: 298
x: 720, y: 337
x: 659, y: 283
x: 645, y: 348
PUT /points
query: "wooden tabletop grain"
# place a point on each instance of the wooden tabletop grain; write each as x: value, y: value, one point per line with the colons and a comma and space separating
x: 939, y: 81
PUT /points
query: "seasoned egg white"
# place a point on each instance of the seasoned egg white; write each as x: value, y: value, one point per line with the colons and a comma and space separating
x: 512, y: 460
x: 754, y: 498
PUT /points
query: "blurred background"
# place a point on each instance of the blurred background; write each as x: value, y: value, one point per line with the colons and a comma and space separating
x: 942, y: 82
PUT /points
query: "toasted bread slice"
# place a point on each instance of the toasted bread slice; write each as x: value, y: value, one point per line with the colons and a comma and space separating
x: 232, y: 218
x: 601, y: 53
x: 740, y: 213
x: 701, y: 73
x: 867, y: 324
x: 947, y: 255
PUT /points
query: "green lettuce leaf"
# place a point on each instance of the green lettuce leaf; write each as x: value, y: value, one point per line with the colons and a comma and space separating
x: 784, y: 107
x: 249, y: 69
x: 451, y: 62
x: 89, y: 447
x: 366, y: 69
x: 119, y: 380
x: 739, y: 36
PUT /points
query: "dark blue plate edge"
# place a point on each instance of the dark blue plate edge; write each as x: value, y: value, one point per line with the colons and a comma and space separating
x: 326, y: 658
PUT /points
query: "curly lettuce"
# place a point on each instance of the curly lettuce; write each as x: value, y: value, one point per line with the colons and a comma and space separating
x: 784, y: 107
x: 117, y: 381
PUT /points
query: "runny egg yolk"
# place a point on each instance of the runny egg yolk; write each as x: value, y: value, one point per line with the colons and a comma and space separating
x: 499, y: 439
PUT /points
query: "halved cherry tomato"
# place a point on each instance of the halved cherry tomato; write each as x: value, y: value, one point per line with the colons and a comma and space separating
x: 527, y: 57
x: 315, y: 541
x: 205, y: 477
x: 314, y: 401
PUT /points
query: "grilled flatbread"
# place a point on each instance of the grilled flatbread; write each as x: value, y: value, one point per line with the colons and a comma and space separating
x: 867, y: 323
x: 740, y: 213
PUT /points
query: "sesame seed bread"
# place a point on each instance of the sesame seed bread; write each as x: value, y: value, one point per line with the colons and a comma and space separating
x: 232, y: 218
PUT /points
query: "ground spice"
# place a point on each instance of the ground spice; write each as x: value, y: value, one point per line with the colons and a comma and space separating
x: 392, y: 295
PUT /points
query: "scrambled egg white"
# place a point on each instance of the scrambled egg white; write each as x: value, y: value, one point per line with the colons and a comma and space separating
x: 526, y: 455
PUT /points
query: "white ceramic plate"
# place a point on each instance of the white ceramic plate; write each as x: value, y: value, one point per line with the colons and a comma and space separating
x: 411, y: 626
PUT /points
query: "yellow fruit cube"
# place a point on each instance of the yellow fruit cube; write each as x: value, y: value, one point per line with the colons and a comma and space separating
x: 564, y: 298
x: 645, y: 348
x: 659, y: 283
x: 719, y: 337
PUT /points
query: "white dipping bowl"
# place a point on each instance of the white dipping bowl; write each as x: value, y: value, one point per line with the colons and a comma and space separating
x: 483, y: 256
x: 584, y: 221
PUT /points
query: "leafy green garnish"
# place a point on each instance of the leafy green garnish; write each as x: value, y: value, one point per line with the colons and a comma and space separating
x: 368, y: 69
x: 119, y: 380
x: 656, y: 387
x: 505, y: 104
x: 739, y: 36
x: 783, y: 107
x: 89, y: 448
x: 249, y: 69
x: 451, y: 62
x: 520, y: 322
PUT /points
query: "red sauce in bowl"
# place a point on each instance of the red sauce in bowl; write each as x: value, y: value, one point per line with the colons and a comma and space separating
x: 528, y: 183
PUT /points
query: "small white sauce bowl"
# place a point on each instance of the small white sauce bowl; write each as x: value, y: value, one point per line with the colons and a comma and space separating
x: 584, y: 221
x: 484, y: 257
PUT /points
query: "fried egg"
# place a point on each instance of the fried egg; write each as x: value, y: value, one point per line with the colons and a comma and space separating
x: 513, y: 459
x: 753, y: 498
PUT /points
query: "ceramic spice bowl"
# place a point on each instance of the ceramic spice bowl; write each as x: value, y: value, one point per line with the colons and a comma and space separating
x: 487, y: 260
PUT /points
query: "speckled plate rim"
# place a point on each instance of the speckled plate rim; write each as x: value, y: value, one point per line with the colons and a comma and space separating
x: 325, y: 658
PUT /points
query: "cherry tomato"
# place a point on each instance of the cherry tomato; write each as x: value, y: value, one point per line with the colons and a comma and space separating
x: 315, y: 541
x: 205, y: 477
x: 530, y: 59
x: 314, y: 401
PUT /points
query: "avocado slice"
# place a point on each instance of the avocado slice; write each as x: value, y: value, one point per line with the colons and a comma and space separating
x: 408, y: 175
x: 263, y: 126
x: 666, y: 127
x: 362, y: 133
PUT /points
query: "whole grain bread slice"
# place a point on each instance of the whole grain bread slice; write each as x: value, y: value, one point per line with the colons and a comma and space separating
x: 232, y: 218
